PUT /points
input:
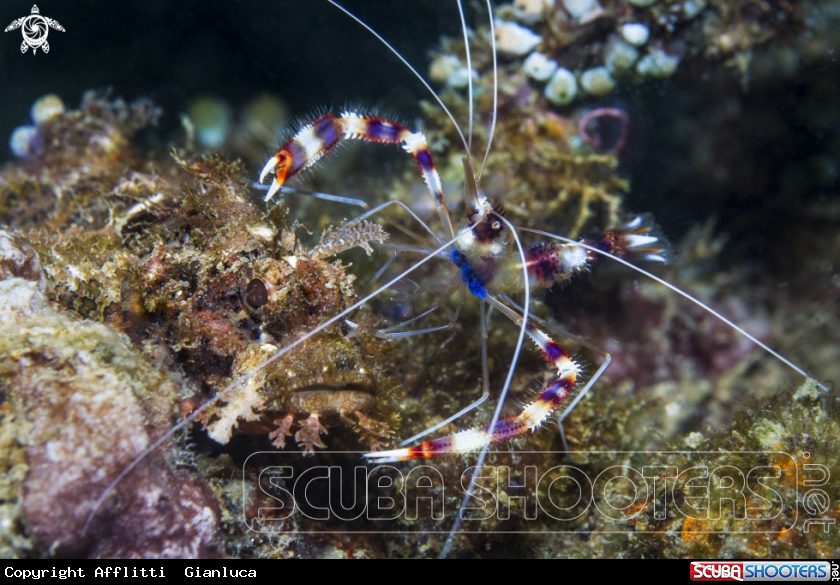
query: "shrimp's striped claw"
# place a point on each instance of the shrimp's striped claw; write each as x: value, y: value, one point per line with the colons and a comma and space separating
x: 303, y: 150
x: 549, y: 263
x: 639, y: 238
x: 318, y: 138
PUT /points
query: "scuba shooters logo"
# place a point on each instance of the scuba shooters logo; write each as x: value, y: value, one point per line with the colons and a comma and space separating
x: 717, y: 571
x: 763, y: 571
x: 658, y: 491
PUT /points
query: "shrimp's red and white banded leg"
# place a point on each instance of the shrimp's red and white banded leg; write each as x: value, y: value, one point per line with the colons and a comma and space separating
x: 559, y: 331
x: 555, y: 329
x: 318, y: 138
x: 374, y: 129
x: 553, y: 393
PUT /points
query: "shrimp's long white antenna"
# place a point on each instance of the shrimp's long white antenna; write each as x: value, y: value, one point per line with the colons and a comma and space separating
x: 483, y: 454
x: 495, y: 92
x: 412, y: 69
x: 241, y: 380
x: 469, y: 73
x: 684, y: 294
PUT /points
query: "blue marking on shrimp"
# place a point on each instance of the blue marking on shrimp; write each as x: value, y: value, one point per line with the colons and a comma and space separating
x: 468, y: 274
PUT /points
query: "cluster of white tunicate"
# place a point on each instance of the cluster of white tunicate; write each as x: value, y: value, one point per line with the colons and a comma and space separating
x: 46, y: 108
x: 626, y: 52
x: 530, y: 11
x: 449, y: 70
x: 265, y: 119
x: 211, y: 118
x: 657, y: 63
x: 562, y: 87
x: 211, y: 123
x: 24, y: 139
x: 597, y: 81
x: 634, y: 33
x: 514, y: 40
x: 538, y: 66
x: 620, y: 55
x: 582, y: 10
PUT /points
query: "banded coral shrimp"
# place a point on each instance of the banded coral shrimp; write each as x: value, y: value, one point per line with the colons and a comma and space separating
x: 486, y: 215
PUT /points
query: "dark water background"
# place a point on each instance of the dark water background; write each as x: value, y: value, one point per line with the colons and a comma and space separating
x: 305, y: 50
x: 778, y: 149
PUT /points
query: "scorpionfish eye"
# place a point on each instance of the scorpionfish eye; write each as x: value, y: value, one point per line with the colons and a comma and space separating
x: 256, y: 293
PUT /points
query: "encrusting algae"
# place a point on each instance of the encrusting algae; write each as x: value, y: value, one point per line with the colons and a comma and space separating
x: 185, y: 265
x: 150, y: 283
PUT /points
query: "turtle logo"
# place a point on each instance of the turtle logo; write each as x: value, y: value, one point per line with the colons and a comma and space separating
x: 35, y: 28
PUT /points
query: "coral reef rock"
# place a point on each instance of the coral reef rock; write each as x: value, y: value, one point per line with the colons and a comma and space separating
x: 79, y: 404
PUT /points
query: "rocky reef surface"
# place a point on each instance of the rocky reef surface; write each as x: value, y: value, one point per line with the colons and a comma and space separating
x: 79, y: 404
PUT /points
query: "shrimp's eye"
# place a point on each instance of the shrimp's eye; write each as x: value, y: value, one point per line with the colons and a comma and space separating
x: 256, y: 293
x: 495, y: 225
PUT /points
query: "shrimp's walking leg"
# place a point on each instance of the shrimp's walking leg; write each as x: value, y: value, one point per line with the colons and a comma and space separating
x: 389, y: 332
x: 364, y: 205
x: 485, y: 381
x: 556, y: 329
x: 318, y: 138
x: 392, y: 333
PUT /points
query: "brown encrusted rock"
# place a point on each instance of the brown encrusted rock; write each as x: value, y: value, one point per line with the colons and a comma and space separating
x: 18, y: 259
x: 92, y: 404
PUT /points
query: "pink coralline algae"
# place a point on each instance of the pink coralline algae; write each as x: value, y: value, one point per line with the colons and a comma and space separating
x: 85, y: 404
